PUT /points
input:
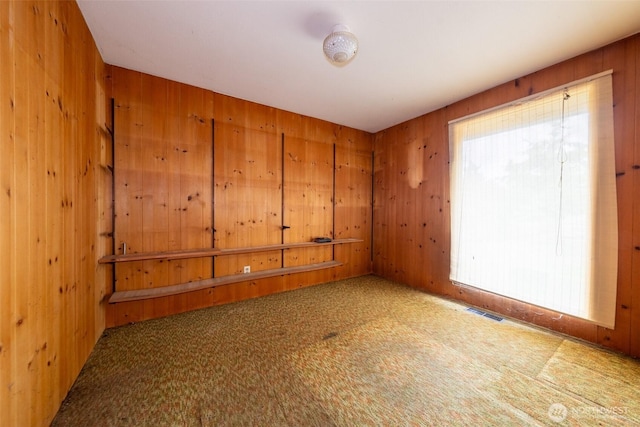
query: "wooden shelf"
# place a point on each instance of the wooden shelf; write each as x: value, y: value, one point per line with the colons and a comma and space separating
x: 266, y: 248
x: 210, y: 252
x: 165, y: 255
x: 140, y: 294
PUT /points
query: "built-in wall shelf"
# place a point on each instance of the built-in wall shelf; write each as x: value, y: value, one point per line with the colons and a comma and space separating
x: 163, y: 291
x: 162, y: 255
x: 140, y: 294
x: 211, y: 252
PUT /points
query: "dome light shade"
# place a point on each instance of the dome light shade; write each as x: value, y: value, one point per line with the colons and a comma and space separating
x: 340, y: 46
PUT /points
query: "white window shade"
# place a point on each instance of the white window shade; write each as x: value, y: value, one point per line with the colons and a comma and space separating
x: 533, y: 196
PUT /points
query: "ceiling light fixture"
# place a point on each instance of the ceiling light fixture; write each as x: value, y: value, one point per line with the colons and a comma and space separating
x: 340, y: 46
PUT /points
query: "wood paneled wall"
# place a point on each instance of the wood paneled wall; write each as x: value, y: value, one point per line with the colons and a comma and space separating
x: 53, y: 147
x: 195, y: 169
x: 411, y: 196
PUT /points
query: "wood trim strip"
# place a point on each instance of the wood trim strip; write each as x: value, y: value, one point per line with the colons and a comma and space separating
x: 213, y: 192
x: 333, y: 203
x: 201, y: 253
x: 164, y: 255
x: 140, y: 294
x: 282, y: 211
x: 112, y: 133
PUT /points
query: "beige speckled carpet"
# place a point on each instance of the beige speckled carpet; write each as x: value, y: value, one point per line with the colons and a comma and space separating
x: 358, y: 352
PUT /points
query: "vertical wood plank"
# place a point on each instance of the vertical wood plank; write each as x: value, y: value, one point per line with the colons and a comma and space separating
x: 634, y: 345
x: 8, y: 194
x: 27, y: 265
x: 59, y: 272
x: 174, y: 137
x: 379, y: 211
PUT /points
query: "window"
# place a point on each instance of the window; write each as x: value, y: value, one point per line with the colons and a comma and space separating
x: 533, y: 196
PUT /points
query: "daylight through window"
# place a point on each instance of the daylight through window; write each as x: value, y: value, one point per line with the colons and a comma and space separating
x: 533, y: 196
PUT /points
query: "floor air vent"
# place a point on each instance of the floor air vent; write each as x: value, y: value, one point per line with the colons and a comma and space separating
x: 482, y: 313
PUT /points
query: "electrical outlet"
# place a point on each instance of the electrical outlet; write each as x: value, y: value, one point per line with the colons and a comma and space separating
x: 247, y: 269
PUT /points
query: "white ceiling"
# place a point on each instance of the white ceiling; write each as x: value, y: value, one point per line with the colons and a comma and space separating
x: 414, y: 56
